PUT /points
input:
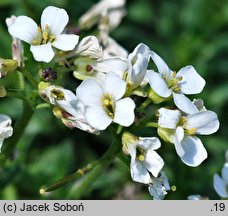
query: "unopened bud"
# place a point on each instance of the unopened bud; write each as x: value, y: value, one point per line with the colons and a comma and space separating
x: 3, y: 92
x: 155, y: 97
x: 128, y: 139
x: 6, y: 66
x: 48, y: 74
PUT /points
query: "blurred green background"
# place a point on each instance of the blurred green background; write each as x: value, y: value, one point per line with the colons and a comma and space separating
x: 183, y: 32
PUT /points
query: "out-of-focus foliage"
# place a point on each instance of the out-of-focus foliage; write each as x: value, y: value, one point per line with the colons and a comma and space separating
x: 183, y: 32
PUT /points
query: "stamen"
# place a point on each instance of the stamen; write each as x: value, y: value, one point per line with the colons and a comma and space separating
x: 192, y: 131
x: 141, y: 157
x: 46, y: 27
x: 39, y: 29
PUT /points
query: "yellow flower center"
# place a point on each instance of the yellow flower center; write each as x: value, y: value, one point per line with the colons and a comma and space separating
x: 140, y: 154
x: 46, y: 36
x: 173, y: 82
x: 108, y: 105
x: 183, y: 122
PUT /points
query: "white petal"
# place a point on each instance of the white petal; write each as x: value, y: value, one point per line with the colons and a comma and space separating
x: 43, y: 53
x: 179, y: 136
x: 139, y: 172
x: 161, y: 65
x: 206, y: 122
x: 114, y: 85
x: 55, y: 18
x: 194, y: 151
x: 147, y: 143
x: 192, y: 82
x: 66, y: 42
x: 90, y: 92
x: 158, y: 84
x: 153, y: 162
x: 220, y: 186
x: 225, y: 173
x: 168, y: 118
x: 97, y: 118
x: 24, y: 28
x: 184, y: 104
x: 124, y: 112
x: 139, y: 59
x: 116, y: 65
x: 5, y: 120
x: 89, y: 46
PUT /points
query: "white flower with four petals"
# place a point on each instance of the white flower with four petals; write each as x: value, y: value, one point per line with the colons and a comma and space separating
x: 42, y: 39
x: 168, y: 83
x: 181, y: 131
x: 103, y: 102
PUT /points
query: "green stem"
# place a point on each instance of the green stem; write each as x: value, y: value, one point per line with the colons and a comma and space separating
x: 97, y: 167
x: 144, y: 104
x: 152, y: 124
x: 19, y: 96
x: 91, y: 177
x: 19, y: 129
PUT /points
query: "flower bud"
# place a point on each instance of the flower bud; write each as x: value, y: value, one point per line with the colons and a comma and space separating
x: 128, y: 139
x: 42, y: 87
x: 166, y: 134
x: 6, y: 66
x: 3, y: 92
x: 155, y: 97
x: 48, y: 74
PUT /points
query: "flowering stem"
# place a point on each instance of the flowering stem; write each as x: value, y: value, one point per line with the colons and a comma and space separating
x: 97, y: 167
x: 144, y: 104
x: 152, y: 124
x: 18, y: 132
x: 104, y: 162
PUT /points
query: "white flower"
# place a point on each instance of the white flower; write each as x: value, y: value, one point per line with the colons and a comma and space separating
x: 168, y: 83
x: 144, y: 159
x: 138, y: 61
x: 53, y: 22
x: 68, y: 107
x: 181, y: 131
x: 158, y: 187
x: 5, y: 128
x: 103, y: 102
x: 221, y: 183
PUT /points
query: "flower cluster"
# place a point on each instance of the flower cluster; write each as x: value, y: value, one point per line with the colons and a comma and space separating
x: 113, y: 90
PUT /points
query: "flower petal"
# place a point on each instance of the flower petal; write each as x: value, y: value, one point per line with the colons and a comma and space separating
x: 225, y: 173
x: 168, y: 118
x: 206, y: 122
x: 158, y: 84
x: 116, y: 65
x: 184, y: 104
x: 90, y: 47
x: 43, y: 53
x: 220, y: 186
x: 192, y: 82
x: 179, y: 136
x: 124, y: 112
x: 139, y: 59
x: 97, y: 117
x: 139, y: 172
x: 66, y: 42
x: 24, y: 28
x: 153, y: 162
x: 90, y: 92
x: 55, y: 18
x: 147, y: 143
x: 114, y: 85
x: 161, y: 65
x: 194, y: 151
